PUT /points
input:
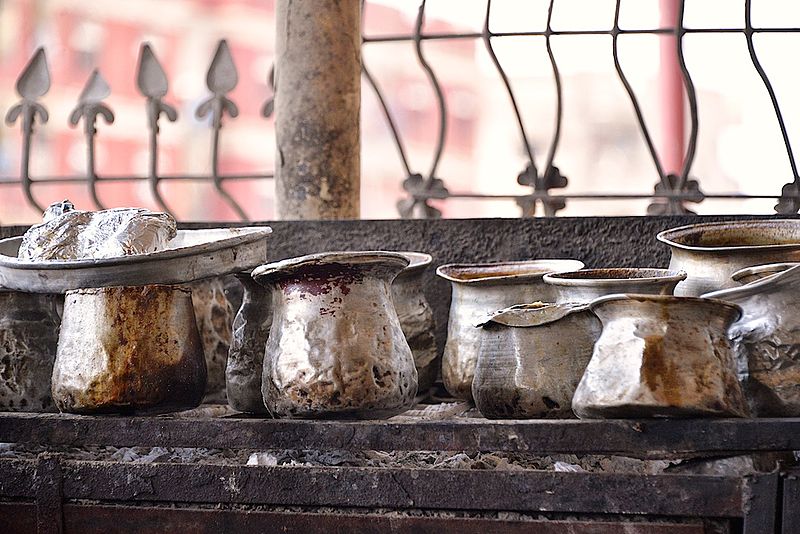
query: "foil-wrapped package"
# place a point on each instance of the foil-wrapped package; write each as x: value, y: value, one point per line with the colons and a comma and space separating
x: 70, y: 234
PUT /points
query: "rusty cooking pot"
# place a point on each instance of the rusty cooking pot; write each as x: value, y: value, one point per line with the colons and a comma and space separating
x: 478, y: 290
x: 132, y: 349
x: 711, y: 252
x: 661, y: 356
x: 336, y: 347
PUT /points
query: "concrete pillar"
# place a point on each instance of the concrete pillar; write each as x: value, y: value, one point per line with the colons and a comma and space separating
x: 317, y: 107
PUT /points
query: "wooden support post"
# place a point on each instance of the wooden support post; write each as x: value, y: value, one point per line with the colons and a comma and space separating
x: 317, y: 107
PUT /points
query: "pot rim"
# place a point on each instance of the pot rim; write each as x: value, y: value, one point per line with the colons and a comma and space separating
x: 772, y: 268
x: 263, y: 273
x: 181, y: 288
x: 574, y: 278
x: 486, y: 273
x: 418, y: 261
x: 667, y: 236
x: 666, y: 299
x: 756, y: 286
x: 514, y: 316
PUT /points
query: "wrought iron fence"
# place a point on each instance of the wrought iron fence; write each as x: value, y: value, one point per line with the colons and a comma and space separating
x: 670, y: 195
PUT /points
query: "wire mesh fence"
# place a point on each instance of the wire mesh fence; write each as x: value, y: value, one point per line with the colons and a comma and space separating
x: 672, y: 192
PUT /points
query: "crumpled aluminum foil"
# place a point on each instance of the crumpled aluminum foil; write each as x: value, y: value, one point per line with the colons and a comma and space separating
x: 70, y: 234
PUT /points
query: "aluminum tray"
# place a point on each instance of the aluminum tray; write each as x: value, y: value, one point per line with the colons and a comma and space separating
x: 192, y: 255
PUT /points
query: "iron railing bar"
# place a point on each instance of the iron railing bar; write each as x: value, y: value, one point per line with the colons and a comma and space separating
x: 602, y: 196
x: 768, y: 85
x: 487, y: 41
x: 691, y: 96
x: 389, y: 38
x: 551, y: 152
x: 634, y: 100
x: 216, y: 179
x: 439, y: 95
x: 398, y: 141
x: 122, y: 178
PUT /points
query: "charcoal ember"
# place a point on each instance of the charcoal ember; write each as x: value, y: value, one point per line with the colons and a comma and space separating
x: 70, y: 234
x: 214, y: 316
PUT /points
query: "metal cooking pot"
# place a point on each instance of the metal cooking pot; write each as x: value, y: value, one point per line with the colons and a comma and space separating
x: 588, y: 284
x: 661, y: 356
x: 531, y: 360
x: 767, y: 337
x: 479, y: 290
x: 711, y: 252
x: 246, y: 355
x: 336, y: 347
x: 28, y: 338
x: 128, y: 350
x: 416, y: 318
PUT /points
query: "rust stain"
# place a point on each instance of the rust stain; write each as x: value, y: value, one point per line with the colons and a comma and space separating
x: 155, y: 355
x: 320, y: 279
x: 659, y: 373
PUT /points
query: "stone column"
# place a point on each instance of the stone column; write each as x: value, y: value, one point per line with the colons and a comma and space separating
x: 317, y: 106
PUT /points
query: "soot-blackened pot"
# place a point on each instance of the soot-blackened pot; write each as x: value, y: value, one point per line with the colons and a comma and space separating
x: 128, y: 350
x: 336, y: 347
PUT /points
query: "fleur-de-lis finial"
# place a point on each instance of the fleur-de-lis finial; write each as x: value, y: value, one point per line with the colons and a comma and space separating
x: 152, y: 83
x: 220, y: 80
x: 90, y: 105
x: 32, y: 84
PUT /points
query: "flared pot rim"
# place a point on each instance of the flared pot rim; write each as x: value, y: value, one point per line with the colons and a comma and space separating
x: 597, y: 277
x: 666, y: 299
x: 417, y: 261
x: 673, y: 236
x: 269, y: 271
x: 505, y: 271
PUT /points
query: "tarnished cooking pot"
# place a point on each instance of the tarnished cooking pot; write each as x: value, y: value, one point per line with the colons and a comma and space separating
x: 214, y: 316
x: 246, y: 356
x: 28, y: 338
x: 711, y: 252
x: 478, y: 290
x: 588, y: 284
x: 416, y: 317
x: 532, y: 358
x: 336, y: 348
x: 767, y: 337
x: 132, y: 349
x: 661, y: 356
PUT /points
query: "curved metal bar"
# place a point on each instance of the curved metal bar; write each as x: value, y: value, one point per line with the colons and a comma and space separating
x: 691, y: 96
x: 398, y: 143
x: 635, y: 101
x: 486, y: 35
x: 551, y: 153
x: 768, y: 85
x: 437, y: 89
x: 217, y: 113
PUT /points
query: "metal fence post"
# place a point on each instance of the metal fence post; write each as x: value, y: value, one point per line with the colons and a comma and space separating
x: 317, y: 104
